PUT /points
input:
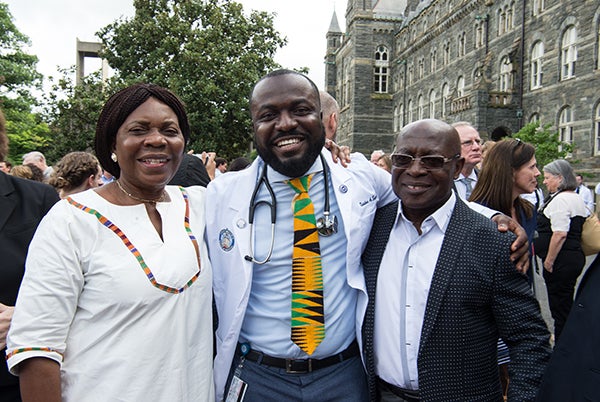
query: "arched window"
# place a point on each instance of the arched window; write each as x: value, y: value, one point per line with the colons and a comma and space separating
x: 432, y: 96
x: 479, y: 30
x: 537, y: 62
x: 461, y: 43
x: 505, y: 83
x: 597, y: 130
x: 460, y: 87
x: 411, y: 75
x: 420, y: 108
x: 410, y: 111
x: 347, y: 80
x: 396, y: 118
x: 401, y: 117
x: 534, y: 118
x: 446, y: 59
x: 445, y: 94
x: 501, y: 21
x: 568, y: 53
x: 421, y: 72
x: 565, y: 125
x: 433, y: 61
x: 380, y: 70
x: 510, y: 16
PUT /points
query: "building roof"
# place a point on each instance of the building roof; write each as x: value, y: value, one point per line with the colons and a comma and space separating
x: 389, y: 8
x: 334, y: 26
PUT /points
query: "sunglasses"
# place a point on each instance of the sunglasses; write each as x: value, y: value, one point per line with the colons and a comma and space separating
x: 429, y: 162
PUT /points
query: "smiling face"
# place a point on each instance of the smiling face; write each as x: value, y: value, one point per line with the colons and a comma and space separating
x: 149, y: 147
x: 423, y: 191
x: 286, y: 117
x: 525, y: 178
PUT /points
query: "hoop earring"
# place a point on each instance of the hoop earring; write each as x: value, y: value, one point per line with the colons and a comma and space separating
x: 113, y: 156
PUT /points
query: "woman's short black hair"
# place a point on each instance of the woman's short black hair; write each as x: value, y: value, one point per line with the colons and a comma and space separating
x: 119, y: 106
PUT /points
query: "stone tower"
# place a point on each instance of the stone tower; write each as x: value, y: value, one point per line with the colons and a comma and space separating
x: 334, y: 41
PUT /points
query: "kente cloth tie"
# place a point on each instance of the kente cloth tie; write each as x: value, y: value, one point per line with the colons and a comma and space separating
x: 308, y: 323
x: 468, y: 185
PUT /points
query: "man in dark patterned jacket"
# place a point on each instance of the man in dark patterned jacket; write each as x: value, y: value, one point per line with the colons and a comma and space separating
x: 442, y: 288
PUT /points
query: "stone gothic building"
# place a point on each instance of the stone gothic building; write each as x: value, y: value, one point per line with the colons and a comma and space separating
x: 496, y: 63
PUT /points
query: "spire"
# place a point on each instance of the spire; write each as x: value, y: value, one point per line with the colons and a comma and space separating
x: 334, y: 26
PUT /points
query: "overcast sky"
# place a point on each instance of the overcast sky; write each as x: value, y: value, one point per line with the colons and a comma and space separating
x: 54, y: 25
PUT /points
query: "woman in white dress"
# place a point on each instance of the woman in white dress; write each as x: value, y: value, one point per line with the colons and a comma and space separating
x: 116, y: 302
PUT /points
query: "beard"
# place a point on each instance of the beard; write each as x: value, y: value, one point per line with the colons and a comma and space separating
x: 297, y: 165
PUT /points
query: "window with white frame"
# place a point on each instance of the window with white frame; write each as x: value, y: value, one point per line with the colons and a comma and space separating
x: 445, y: 94
x: 537, y: 7
x: 460, y: 86
x: 380, y: 70
x: 420, y: 108
x: 565, y: 125
x: 432, y: 96
x: 505, y: 84
x: 537, y: 62
x: 597, y: 130
x: 568, y: 53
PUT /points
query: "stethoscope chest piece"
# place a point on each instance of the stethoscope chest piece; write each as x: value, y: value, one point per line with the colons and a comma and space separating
x: 326, y: 226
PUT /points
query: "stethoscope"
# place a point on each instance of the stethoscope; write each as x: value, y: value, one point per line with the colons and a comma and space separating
x: 326, y: 225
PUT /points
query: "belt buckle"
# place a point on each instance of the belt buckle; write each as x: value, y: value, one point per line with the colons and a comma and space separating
x: 290, y: 369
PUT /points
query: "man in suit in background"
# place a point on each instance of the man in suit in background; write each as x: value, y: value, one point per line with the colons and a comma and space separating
x: 573, y: 373
x: 470, y: 143
x: 23, y: 204
x: 444, y: 290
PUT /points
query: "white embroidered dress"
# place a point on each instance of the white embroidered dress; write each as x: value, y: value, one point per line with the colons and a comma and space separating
x: 121, y: 332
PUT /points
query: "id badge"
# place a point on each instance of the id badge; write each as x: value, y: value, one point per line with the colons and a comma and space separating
x: 237, y: 390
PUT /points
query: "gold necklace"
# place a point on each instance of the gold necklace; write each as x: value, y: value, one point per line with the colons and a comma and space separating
x: 146, y: 201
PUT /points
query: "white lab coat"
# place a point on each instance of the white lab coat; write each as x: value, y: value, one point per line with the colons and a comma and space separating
x: 359, y: 190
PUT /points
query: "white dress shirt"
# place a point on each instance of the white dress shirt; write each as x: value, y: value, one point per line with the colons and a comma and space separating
x: 403, y: 284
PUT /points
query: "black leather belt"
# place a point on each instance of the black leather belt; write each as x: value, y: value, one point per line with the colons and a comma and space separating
x: 301, y: 366
x: 406, y: 394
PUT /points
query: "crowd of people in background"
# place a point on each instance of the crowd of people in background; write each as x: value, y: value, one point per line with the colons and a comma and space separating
x: 84, y: 301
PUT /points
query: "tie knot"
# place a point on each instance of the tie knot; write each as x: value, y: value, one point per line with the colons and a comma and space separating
x: 300, y: 184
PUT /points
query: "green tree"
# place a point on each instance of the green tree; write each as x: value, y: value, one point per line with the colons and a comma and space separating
x: 548, y: 146
x: 73, y: 110
x: 206, y: 51
x: 18, y: 78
